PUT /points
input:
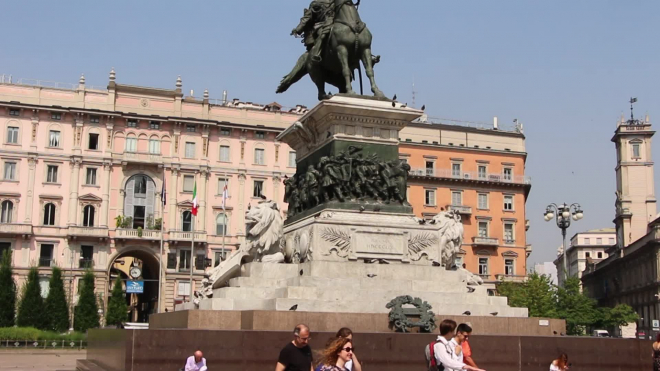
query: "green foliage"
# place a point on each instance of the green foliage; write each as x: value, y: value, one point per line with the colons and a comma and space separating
x: 123, y: 221
x: 537, y: 294
x: 139, y: 231
x: 33, y: 334
x: 621, y: 315
x: 576, y: 308
x: 7, y: 292
x: 57, y: 309
x: 31, y: 307
x: 86, y: 313
x: 158, y: 224
x: 117, y: 307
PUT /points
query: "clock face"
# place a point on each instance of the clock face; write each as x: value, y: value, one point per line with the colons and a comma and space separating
x: 135, y: 272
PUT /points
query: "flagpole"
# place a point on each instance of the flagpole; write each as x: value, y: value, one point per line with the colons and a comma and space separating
x: 225, y: 193
x: 192, y: 254
x: 163, y: 195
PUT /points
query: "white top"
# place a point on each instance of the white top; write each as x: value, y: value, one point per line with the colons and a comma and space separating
x: 455, y: 356
x: 445, y: 355
x: 192, y: 366
x: 554, y: 368
x: 349, y: 365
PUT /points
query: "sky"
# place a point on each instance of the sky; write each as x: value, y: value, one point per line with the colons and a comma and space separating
x: 566, y: 69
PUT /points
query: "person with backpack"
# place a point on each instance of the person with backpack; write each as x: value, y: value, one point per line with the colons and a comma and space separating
x: 441, y: 355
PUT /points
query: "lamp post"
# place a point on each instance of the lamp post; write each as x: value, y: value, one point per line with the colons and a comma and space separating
x: 564, y: 213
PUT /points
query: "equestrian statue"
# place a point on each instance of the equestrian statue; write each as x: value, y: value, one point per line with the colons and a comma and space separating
x: 337, y: 41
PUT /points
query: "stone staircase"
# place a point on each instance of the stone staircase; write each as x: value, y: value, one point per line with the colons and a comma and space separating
x: 353, y: 287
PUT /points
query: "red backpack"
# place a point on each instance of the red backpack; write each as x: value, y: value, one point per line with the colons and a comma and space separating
x: 433, y: 366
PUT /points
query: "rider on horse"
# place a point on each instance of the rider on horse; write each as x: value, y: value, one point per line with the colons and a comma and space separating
x: 316, y: 24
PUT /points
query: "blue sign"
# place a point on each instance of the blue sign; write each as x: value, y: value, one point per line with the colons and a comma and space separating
x: 134, y: 287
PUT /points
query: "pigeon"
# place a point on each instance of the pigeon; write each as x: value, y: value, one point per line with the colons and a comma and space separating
x: 554, y: 332
x: 494, y: 313
x: 262, y: 196
x: 301, y: 272
x: 393, y: 104
x: 376, y: 208
x: 361, y: 208
x: 249, y: 207
x: 329, y: 135
x: 293, y: 308
x: 467, y: 313
x: 471, y: 289
x: 424, y: 107
x: 371, y: 275
x: 394, y: 98
x: 404, y: 105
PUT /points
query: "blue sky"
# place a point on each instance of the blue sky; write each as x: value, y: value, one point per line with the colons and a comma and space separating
x: 564, y: 68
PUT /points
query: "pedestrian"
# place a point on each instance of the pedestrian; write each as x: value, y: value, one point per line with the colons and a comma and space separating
x: 353, y: 364
x: 441, y: 355
x: 462, y: 333
x: 196, y: 362
x: 560, y: 364
x: 656, y: 353
x: 467, y: 350
x: 335, y: 356
x: 296, y: 355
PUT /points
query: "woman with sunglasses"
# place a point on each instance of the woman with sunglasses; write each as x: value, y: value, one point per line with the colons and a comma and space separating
x: 335, y: 356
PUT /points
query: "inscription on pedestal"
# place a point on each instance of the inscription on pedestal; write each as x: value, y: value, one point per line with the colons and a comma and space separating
x: 378, y: 245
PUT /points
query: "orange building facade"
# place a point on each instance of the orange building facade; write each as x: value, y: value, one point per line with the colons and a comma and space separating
x: 481, y: 173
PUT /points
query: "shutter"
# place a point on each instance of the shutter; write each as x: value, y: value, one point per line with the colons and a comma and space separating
x: 129, y: 200
x: 199, y: 262
x: 151, y: 198
x: 171, y: 260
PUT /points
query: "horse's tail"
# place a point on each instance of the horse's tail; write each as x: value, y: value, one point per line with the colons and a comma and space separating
x: 298, y: 72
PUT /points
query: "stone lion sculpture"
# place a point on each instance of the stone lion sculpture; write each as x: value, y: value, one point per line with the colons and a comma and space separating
x: 264, y: 232
x: 451, y: 237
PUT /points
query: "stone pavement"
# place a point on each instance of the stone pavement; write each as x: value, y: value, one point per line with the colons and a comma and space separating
x: 41, y: 361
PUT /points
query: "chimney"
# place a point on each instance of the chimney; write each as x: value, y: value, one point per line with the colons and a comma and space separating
x: 192, y: 93
x: 224, y: 98
x: 495, y: 123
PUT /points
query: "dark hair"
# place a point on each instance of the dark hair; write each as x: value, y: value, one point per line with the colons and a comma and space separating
x: 562, y: 361
x: 657, y: 338
x: 330, y: 354
x: 447, y: 326
x: 464, y: 327
x: 344, y: 332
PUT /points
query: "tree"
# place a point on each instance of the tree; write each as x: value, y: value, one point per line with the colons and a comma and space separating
x: 7, y: 291
x: 576, y: 308
x: 86, y: 313
x: 117, y: 307
x: 621, y: 315
x: 31, y: 307
x: 57, y: 309
x: 536, y: 294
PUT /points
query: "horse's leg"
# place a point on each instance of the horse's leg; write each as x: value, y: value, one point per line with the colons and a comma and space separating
x: 342, y: 53
x: 369, y: 70
x: 317, y: 78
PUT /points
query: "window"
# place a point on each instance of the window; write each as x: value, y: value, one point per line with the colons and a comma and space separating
x: 154, y: 125
x: 221, y: 224
x: 86, y: 256
x: 430, y: 165
x: 131, y: 145
x: 91, y: 176
x: 184, y: 260
x: 199, y: 261
x: 483, y: 266
x: 183, y: 289
x: 456, y: 170
x: 224, y: 153
x: 636, y: 150
x: 587, y: 241
x: 587, y: 254
x: 259, y: 156
x: 482, y: 199
x: 481, y: 172
x: 509, y: 267
x: 225, y: 132
x: 51, y: 173
x: 508, y: 233
x: 457, y: 198
x: 54, y: 138
x: 46, y: 255
x: 188, y: 183
x: 138, y: 216
x: 140, y: 187
x: 12, y: 134
x: 599, y: 241
x: 93, y: 141
x: 186, y: 221
x: 49, y: 214
x: 429, y: 197
x: 190, y: 150
x: 94, y: 119
x: 5, y: 246
x: 190, y: 128
x: 221, y: 185
x: 508, y: 203
x: 220, y: 256
x: 260, y: 135
x: 612, y: 241
x: 131, y: 123
x: 10, y: 171
x: 508, y: 174
x: 171, y: 260
x: 483, y: 229
x: 88, y: 216
x: 154, y: 146
x: 258, y: 188
x: 14, y: 112
x: 292, y: 159
x: 7, y: 214
x: 56, y: 116
x: 600, y: 255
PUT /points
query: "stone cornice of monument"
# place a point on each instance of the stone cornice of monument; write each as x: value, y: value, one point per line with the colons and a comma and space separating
x: 364, y: 119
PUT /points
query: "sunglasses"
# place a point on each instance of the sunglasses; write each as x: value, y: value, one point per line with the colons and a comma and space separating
x: 348, y: 349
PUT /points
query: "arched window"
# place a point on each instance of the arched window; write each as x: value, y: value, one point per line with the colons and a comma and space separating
x: 154, y: 145
x: 7, y: 212
x: 186, y: 224
x: 49, y: 214
x: 140, y: 185
x: 88, y: 216
x: 221, y: 222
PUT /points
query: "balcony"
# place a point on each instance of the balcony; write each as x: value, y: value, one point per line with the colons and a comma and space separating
x: 130, y: 234
x: 76, y: 231
x: 510, y: 278
x: 471, y: 175
x: 187, y: 236
x: 486, y: 241
x: 140, y: 157
x: 22, y: 229
x: 86, y: 263
x: 463, y: 210
x: 46, y: 262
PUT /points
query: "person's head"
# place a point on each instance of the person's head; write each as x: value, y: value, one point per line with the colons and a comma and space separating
x: 198, y: 356
x: 463, y: 331
x: 447, y: 328
x: 345, y: 332
x: 340, y: 350
x: 301, y: 336
x: 562, y: 361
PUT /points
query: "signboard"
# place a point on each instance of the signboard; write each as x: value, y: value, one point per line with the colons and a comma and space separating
x: 656, y: 324
x: 544, y: 322
x: 134, y: 287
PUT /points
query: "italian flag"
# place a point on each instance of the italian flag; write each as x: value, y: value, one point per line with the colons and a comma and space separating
x: 195, y: 204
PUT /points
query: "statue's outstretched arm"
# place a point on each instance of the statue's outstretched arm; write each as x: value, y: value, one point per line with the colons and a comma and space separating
x: 306, y: 18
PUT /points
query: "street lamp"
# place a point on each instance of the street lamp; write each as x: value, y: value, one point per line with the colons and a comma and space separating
x: 564, y: 213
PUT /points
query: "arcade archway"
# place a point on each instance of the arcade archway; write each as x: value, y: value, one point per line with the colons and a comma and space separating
x: 137, y: 265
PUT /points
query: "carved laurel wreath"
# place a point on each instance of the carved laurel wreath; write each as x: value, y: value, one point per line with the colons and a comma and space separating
x: 400, y: 321
x: 340, y: 240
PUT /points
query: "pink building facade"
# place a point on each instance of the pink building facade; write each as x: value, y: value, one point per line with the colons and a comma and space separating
x: 74, y: 160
